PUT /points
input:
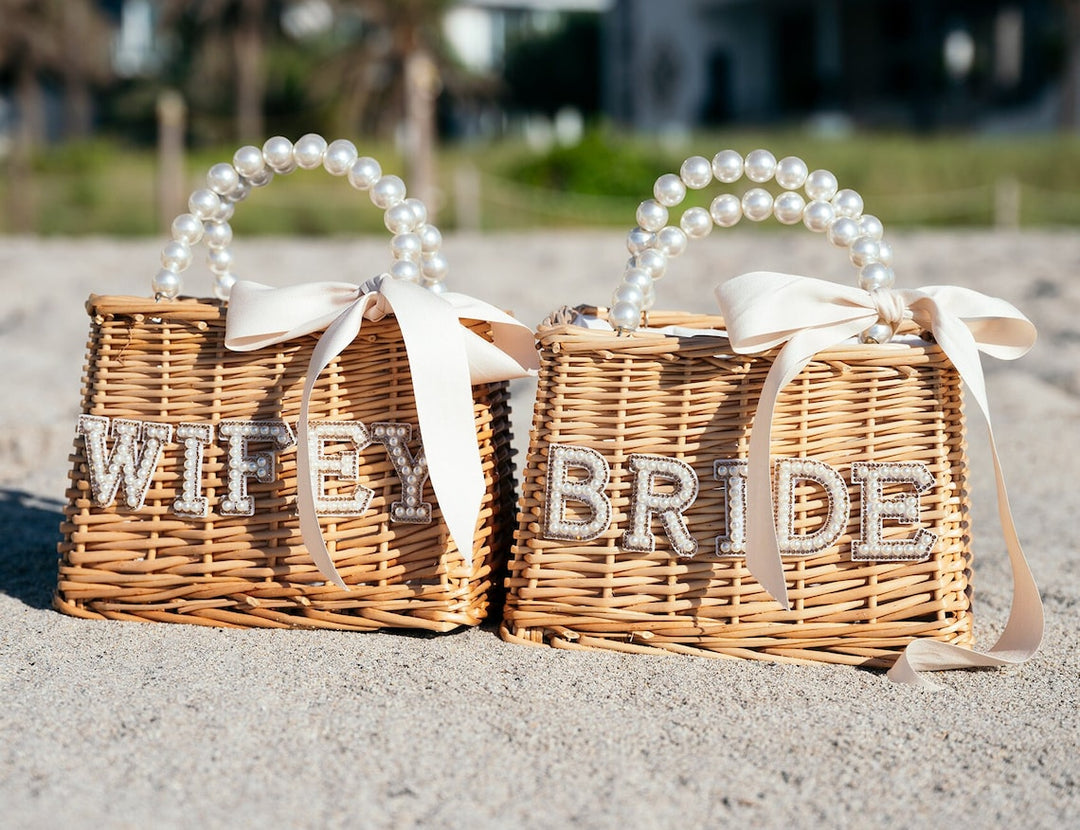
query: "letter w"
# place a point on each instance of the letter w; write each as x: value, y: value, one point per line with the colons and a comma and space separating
x: 128, y: 463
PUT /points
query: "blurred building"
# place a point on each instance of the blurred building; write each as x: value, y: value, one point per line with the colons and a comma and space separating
x: 918, y: 64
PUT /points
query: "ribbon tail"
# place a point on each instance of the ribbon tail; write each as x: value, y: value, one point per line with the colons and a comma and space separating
x: 763, y: 557
x: 762, y: 551
x: 1024, y: 629
x: 333, y: 342
x: 444, y: 406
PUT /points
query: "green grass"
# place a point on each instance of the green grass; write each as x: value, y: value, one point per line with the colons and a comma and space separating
x: 102, y: 187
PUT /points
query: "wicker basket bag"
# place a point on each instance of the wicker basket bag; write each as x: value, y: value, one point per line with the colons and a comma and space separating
x: 784, y: 481
x: 324, y: 455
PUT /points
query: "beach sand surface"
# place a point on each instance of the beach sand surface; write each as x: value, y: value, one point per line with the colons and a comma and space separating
x: 151, y: 725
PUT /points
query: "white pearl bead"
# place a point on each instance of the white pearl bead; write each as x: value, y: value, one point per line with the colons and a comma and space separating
x: 760, y: 166
x: 419, y: 210
x: 339, y: 157
x: 364, y: 172
x: 696, y: 172
x: 821, y: 185
x: 278, y: 152
x: 624, y: 316
x: 727, y: 166
x: 864, y: 250
x: 817, y: 215
x: 788, y: 208
x: 218, y: 234
x: 399, y: 218
x: 669, y: 190
x: 848, y: 203
x: 435, y: 266
x: 651, y: 261
x: 204, y: 203
x: 187, y: 228
x: 166, y: 284
x: 406, y: 246
x: 260, y: 179
x: 309, y: 151
x: 222, y: 178
x: 870, y: 225
x: 223, y: 284
x: 430, y: 237
x: 791, y: 172
x: 843, y: 231
x: 877, y: 333
x: 176, y: 256
x: 628, y: 294
x: 436, y: 287
x: 885, y: 252
x: 726, y: 209
x: 639, y: 279
x: 405, y: 269
x: 249, y: 161
x: 220, y: 262
x: 387, y: 192
x: 239, y: 192
x: 639, y: 239
x: 696, y: 223
x: 651, y: 215
x: 875, y: 275
x: 757, y: 204
x: 671, y: 241
x: 643, y: 284
x: 224, y: 212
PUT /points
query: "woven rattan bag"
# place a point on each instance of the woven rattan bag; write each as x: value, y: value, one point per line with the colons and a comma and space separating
x: 266, y: 461
x: 785, y: 481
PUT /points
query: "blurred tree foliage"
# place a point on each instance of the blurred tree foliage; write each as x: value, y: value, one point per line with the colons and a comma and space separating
x: 253, y: 68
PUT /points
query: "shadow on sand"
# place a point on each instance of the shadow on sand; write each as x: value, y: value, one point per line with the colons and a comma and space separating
x: 29, y: 528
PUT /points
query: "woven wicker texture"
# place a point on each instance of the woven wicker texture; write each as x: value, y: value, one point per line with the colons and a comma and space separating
x: 690, y: 398
x: 166, y: 362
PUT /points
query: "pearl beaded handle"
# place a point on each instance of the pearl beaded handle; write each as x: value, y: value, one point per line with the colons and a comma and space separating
x: 836, y: 213
x: 415, y: 244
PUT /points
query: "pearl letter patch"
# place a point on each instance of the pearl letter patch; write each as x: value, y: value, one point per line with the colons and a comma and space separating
x: 789, y: 472
x: 588, y: 491
x: 646, y: 501
x: 128, y: 463
x: 733, y: 475
x: 243, y: 465
x: 872, y: 477
x: 191, y: 504
x: 412, y: 471
x: 343, y: 465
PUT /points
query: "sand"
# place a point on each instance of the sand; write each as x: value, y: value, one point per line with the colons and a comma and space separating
x: 125, y: 724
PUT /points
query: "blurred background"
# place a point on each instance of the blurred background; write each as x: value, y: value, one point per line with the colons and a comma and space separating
x: 532, y: 113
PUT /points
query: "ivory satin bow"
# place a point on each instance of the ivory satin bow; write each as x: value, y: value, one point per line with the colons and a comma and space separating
x: 445, y: 359
x: 763, y: 310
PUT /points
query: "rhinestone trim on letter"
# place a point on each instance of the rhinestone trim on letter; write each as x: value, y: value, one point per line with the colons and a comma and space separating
x: 412, y: 472
x: 191, y: 504
x: 128, y: 463
x: 588, y: 491
x: 645, y: 503
x: 262, y: 466
x: 871, y: 476
x: 790, y: 471
x: 344, y: 466
x: 732, y: 474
